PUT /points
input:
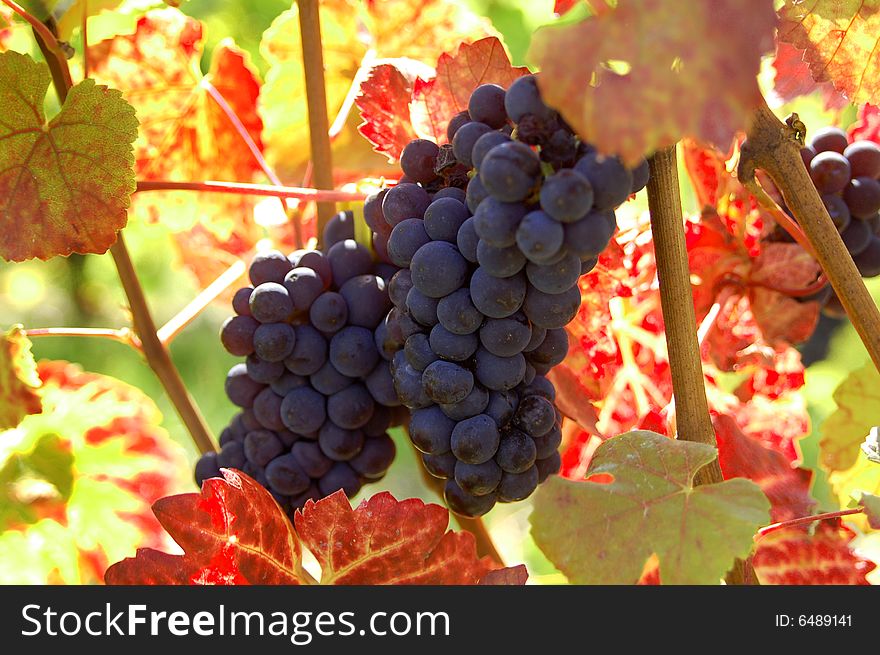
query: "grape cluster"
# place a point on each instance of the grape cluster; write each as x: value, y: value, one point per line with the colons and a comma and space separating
x: 490, y: 262
x: 315, y: 393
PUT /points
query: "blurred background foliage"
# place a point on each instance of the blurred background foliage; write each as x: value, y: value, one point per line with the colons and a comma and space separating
x: 84, y: 291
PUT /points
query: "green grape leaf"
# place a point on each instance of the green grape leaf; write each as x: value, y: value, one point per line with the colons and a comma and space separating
x: 871, y: 503
x: 648, y: 72
x: 65, y: 185
x: 858, y: 410
x: 19, y: 382
x: 80, y: 477
x: 604, y: 533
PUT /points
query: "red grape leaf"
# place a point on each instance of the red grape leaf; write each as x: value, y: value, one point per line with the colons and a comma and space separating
x: 840, y: 40
x: 787, y: 488
x: 385, y: 541
x: 651, y: 506
x: 867, y: 125
x: 235, y: 533
x: 81, y: 476
x: 660, y: 84
x: 793, y: 78
x: 383, y: 101
x: 185, y: 134
x: 573, y: 399
x: 794, y: 556
x: 19, y: 382
x: 66, y: 185
x: 420, y: 30
x: 858, y: 410
x: 437, y: 100
x: 5, y: 26
x: 562, y: 6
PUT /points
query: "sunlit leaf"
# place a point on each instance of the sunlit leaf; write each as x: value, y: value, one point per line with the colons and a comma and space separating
x: 19, y: 382
x: 603, y: 533
x: 863, y: 477
x: 867, y: 125
x: 635, y: 78
x: 840, y: 40
x: 66, y: 184
x: 871, y: 503
x: 858, y: 410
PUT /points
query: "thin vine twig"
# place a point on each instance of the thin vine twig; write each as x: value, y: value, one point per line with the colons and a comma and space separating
x: 242, y: 188
x: 122, y: 335
x: 806, y: 520
x: 693, y: 422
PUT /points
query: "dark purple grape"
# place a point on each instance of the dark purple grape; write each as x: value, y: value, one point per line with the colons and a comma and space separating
x: 399, y: 287
x: 547, y: 444
x: 548, y: 466
x: 431, y: 430
x: 464, y: 140
x: 438, y: 269
x: 241, y: 301
x: 288, y: 382
x: 375, y: 457
x: 271, y: 303
x: 484, y: 144
x: 446, y: 382
x: 539, y: 237
x: 510, y: 171
x: 349, y: 259
x: 516, y: 452
x: 486, y: 105
x: 327, y: 380
x: 472, y: 404
x: 309, y: 351
x: 269, y: 266
x: 406, y: 238
x: 231, y: 456
x: 262, y: 446
x: 461, y: 502
x: 440, y: 466
x: 566, y: 196
x: 641, y: 174
x: 286, y: 476
x: 339, y: 228
x: 273, y: 342
x: 497, y: 297
x: 422, y: 308
x: 237, y: 335
x: 340, y: 476
x: 457, y: 313
x: 263, y: 371
x: 551, y: 310
x: 339, y: 444
x: 418, y: 159
x: 207, y: 468
x: 329, y: 312
x: 518, y: 486
x: 310, y: 458
x: 505, y: 337
x: 451, y: 192
x: 807, y: 154
x: 418, y: 352
x: 404, y: 201
x: 829, y: 139
x: 868, y: 261
x: 500, y: 262
x: 524, y: 98
x: 461, y: 118
x: 590, y: 236
x: 373, y: 215
x: 476, y: 193
x: 496, y: 222
x: 443, y: 218
x: 478, y: 479
x: 862, y: 196
x: 610, y: 180
x: 303, y: 285
x: 856, y: 237
x: 352, y: 407
x: 303, y: 410
x: 864, y: 158
x: 267, y: 409
x: 315, y: 260
x: 380, y: 384
x: 552, y: 350
x: 830, y: 172
x: 837, y: 210
x: 240, y: 388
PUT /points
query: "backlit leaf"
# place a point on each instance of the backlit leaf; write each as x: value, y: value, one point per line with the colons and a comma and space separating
x: 794, y: 79
x: 235, y: 533
x: 863, y: 477
x: 599, y: 533
x: 871, y: 503
x: 840, y: 40
x: 19, y: 382
x: 634, y: 78
x: 78, y: 479
x: 66, y: 184
x: 858, y: 410
x: 867, y: 125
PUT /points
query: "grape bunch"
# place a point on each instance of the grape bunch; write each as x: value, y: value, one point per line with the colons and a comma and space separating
x: 316, y: 396
x: 490, y: 262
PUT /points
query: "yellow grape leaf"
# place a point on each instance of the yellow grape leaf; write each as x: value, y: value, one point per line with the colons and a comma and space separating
x: 19, y: 382
x: 858, y: 410
x: 350, y: 29
x: 863, y: 477
x: 648, y: 72
x: 77, y: 481
x: 840, y: 40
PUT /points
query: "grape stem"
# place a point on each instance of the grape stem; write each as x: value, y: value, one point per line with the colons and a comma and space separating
x: 806, y: 520
x: 485, y: 545
x: 245, y: 189
x: 154, y: 350
x: 316, y: 101
x: 774, y: 147
x: 693, y: 422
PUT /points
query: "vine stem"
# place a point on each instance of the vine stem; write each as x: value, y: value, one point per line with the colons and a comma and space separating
x: 693, y: 422
x: 774, y: 147
x: 316, y: 101
x: 242, y: 188
x: 485, y: 545
x: 155, y: 351
x: 806, y: 520
x: 122, y: 335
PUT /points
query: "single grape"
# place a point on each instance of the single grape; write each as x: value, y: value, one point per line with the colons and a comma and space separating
x: 498, y: 373
x: 552, y: 310
x: 207, y: 468
x: 830, y: 172
x: 510, y: 171
x: 496, y: 222
x: 552, y: 349
x: 418, y: 158
x: 540, y: 386
x: 443, y: 219
x: 268, y: 266
x: 862, y: 196
x: 518, y: 486
x: 309, y: 351
x: 566, y: 196
x: 329, y: 312
x: 476, y: 193
x: 263, y: 371
x: 231, y: 456
x: 864, y: 159
x: 465, y: 138
x: 409, y: 387
x: 286, y: 476
x: 500, y: 262
x: 431, y: 430
x: 270, y: 303
x: 611, y: 181
x: 557, y: 277
x: 641, y: 174
x: 327, y: 380
x: 440, y: 466
x: 467, y: 240
x: 406, y: 238
x: 589, y: 236
x: 339, y: 228
x: 457, y: 313
x: 375, y: 457
x: 548, y: 444
x: 539, y: 237
x: 478, y: 479
x: 380, y: 384
x: 237, y: 335
x: 373, y: 215
x: 523, y: 97
x: 367, y: 299
x: 262, y: 446
x: 340, y: 476
x: 438, y: 269
x: 548, y: 466
x: 461, y: 118
x: 516, y: 452
x: 475, y: 440
x: 353, y: 352
x: 349, y: 259
x: 380, y: 421
x: 505, y: 337
x: 422, y: 308
x: 288, y: 382
x: 241, y: 301
x: 829, y: 139
x: 352, y: 407
x: 856, y: 237
x: 303, y: 285
x: 450, y: 346
x: 446, y: 382
x: 484, y: 144
x: 418, y: 352
x: 486, y: 105
x: 497, y: 297
x: 588, y: 265
x: 837, y: 209
x: 273, y: 342
x: 240, y: 388
x: 303, y: 410
x: 404, y: 201
x: 339, y: 444
x: 267, y: 409
x: 315, y: 260
x: 807, y: 154
x: 451, y: 192
x: 535, y: 416
x: 465, y: 504
x: 399, y: 287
